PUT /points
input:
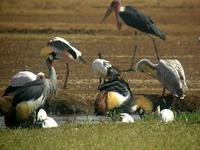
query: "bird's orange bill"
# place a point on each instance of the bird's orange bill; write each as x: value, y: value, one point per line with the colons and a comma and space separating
x: 108, y: 11
x: 46, y: 51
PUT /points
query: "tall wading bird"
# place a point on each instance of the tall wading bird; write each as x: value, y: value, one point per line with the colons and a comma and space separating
x: 20, y: 79
x: 135, y: 19
x: 65, y: 51
x: 31, y: 96
x: 169, y: 72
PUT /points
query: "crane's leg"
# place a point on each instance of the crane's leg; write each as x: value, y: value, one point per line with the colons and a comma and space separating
x: 132, y: 68
x: 99, y: 84
x: 163, y: 92
x: 156, y: 49
x: 67, y: 75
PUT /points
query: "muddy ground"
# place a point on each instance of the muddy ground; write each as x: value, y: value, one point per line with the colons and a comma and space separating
x: 26, y: 26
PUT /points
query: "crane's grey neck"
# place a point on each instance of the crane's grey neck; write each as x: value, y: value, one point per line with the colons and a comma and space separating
x: 51, y: 82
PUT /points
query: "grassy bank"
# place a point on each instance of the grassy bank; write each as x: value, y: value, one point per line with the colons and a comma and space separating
x: 184, y: 133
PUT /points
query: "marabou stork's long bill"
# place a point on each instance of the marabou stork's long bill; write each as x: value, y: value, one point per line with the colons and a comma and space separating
x: 30, y: 97
x: 135, y: 19
x: 65, y: 51
x: 169, y: 72
x: 20, y: 79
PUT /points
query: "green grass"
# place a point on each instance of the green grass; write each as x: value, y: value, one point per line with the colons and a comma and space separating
x: 147, y: 134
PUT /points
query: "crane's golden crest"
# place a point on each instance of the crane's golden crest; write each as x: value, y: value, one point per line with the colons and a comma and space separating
x: 46, y: 51
x: 144, y: 103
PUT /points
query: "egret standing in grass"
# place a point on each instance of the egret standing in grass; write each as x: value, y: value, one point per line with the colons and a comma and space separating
x: 44, y: 120
x: 169, y: 72
x: 135, y: 19
x: 166, y: 115
x: 31, y: 96
x: 20, y: 79
x: 65, y: 51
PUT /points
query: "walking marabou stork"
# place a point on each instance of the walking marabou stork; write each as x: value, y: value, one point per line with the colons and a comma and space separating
x: 135, y: 19
x: 20, y: 79
x: 65, y: 51
x: 169, y: 72
x: 31, y: 96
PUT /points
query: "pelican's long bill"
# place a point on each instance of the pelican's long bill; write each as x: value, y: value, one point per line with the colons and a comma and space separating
x: 46, y: 51
x: 149, y: 70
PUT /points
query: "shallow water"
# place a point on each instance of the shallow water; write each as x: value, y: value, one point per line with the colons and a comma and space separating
x: 61, y: 119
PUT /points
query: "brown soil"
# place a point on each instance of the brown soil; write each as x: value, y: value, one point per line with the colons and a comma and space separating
x: 26, y: 26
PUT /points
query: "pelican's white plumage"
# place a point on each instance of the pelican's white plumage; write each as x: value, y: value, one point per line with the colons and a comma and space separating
x: 100, y: 67
x: 47, y: 122
x: 126, y: 118
x: 169, y: 72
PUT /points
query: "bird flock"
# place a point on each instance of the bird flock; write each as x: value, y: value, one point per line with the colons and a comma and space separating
x: 28, y: 91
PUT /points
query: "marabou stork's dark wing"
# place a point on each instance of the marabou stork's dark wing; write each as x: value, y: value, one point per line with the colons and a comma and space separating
x: 9, y: 90
x: 134, y: 18
x: 62, y: 45
x: 30, y: 91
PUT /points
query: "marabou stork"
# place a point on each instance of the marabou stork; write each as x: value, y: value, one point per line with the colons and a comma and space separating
x: 103, y: 69
x: 169, y: 72
x: 135, y: 19
x: 65, y: 51
x: 20, y: 79
x: 30, y: 97
x: 44, y: 121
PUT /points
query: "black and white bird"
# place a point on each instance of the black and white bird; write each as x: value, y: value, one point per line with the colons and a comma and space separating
x: 30, y: 97
x: 169, y: 72
x: 65, y: 51
x: 135, y: 19
x: 20, y: 79
x: 45, y: 121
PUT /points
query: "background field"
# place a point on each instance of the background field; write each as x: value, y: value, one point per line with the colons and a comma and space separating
x: 26, y: 26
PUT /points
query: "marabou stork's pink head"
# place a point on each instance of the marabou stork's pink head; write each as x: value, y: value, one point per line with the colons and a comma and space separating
x: 114, y: 6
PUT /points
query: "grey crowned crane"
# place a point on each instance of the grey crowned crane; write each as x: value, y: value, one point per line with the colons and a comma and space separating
x: 135, y: 19
x: 20, y: 79
x: 30, y: 97
x: 65, y: 51
x: 169, y: 72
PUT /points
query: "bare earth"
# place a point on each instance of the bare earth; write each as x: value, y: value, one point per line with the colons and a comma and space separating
x: 26, y: 26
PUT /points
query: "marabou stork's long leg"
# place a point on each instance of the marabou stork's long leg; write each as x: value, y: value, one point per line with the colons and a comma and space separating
x: 133, y: 53
x: 67, y: 75
x: 156, y: 49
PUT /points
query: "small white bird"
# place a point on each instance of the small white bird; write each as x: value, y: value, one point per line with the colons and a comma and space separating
x: 166, y: 115
x: 47, y: 122
x: 126, y: 118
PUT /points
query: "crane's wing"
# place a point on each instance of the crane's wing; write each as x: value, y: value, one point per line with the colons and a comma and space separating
x: 134, y: 18
x: 30, y: 91
x: 169, y: 76
x: 59, y: 44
